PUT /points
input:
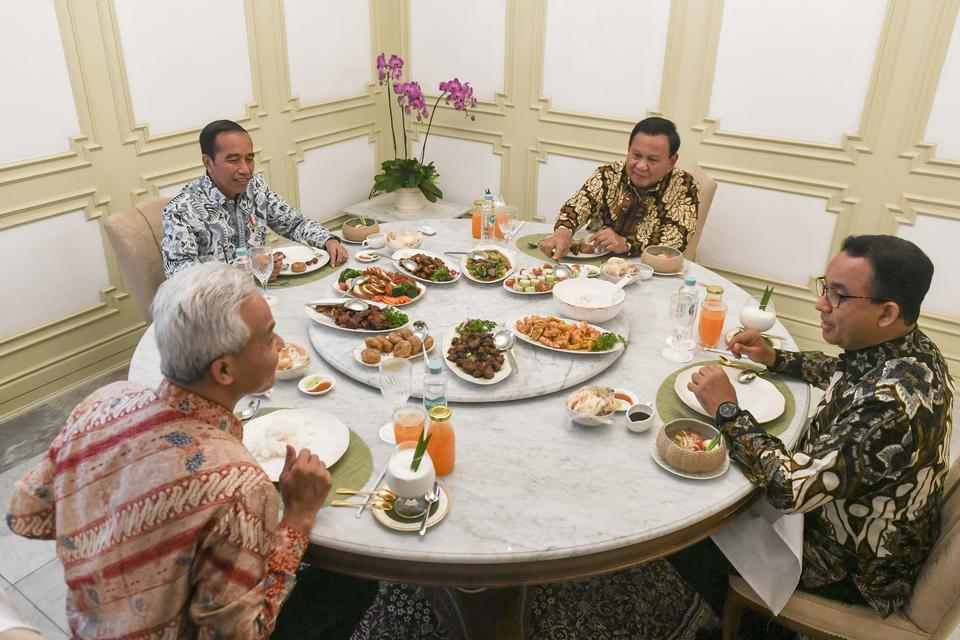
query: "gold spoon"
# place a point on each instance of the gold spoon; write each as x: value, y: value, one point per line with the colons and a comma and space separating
x: 376, y: 504
x: 386, y: 494
x: 748, y: 373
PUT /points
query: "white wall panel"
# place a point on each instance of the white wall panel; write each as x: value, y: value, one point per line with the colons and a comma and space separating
x: 66, y: 266
x: 466, y: 167
x: 328, y: 47
x: 559, y: 179
x: 171, y: 189
x: 39, y: 115
x: 761, y: 231
x: 605, y: 60
x: 187, y: 63
x: 942, y: 125
x: 795, y: 69
x: 461, y: 39
x: 335, y: 176
x: 937, y: 237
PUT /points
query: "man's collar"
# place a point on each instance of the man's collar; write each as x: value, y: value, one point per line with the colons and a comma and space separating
x: 199, y: 408
x: 863, y: 360
x: 656, y: 189
x: 213, y: 191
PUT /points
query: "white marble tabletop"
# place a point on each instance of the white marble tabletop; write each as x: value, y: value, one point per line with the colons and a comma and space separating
x: 529, y: 485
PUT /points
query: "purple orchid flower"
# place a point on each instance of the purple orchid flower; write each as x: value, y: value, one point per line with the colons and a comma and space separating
x: 382, y: 68
x: 389, y: 69
x: 461, y: 94
x: 396, y: 65
x: 410, y: 99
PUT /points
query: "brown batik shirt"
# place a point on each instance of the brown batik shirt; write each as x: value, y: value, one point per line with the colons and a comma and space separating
x: 665, y: 213
x: 868, y: 473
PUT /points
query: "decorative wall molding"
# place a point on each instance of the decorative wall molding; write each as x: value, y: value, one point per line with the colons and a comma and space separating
x: 910, y: 205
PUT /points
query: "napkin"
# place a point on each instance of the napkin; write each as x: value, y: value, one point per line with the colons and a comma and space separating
x: 766, y: 547
x: 10, y: 618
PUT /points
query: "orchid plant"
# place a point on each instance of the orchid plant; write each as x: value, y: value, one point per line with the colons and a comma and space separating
x: 407, y: 172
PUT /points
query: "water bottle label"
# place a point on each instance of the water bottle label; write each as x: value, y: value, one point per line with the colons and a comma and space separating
x: 430, y: 403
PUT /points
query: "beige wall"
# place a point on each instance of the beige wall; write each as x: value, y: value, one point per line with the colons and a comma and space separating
x: 818, y: 119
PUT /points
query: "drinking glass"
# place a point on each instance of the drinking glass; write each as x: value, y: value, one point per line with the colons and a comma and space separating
x: 395, y: 381
x: 409, y: 485
x: 510, y: 222
x: 712, y: 315
x: 261, y: 257
x: 681, y: 321
x: 408, y: 422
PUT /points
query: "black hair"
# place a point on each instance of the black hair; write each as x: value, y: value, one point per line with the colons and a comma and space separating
x: 208, y: 137
x: 901, y: 271
x: 654, y: 126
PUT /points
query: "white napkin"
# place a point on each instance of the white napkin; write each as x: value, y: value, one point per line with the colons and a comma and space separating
x: 10, y: 618
x: 766, y: 547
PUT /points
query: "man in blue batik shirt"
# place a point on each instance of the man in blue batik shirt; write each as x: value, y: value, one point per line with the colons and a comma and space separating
x: 231, y: 206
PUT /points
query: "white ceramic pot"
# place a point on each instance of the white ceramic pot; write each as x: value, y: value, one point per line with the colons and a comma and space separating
x: 409, y: 200
x: 588, y: 299
x: 752, y: 317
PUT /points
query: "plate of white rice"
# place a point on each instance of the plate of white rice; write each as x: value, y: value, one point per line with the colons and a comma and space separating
x: 267, y: 437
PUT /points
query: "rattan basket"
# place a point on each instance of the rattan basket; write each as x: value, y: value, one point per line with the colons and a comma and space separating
x: 684, y: 459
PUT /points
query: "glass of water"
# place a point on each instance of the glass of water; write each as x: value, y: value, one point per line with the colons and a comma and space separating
x: 395, y: 381
x: 681, y: 323
x: 510, y: 223
x: 261, y: 258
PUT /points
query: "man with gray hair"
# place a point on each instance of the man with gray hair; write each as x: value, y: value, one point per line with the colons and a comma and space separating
x: 165, y: 523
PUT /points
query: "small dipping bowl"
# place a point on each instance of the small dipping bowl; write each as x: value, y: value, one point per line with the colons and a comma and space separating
x: 320, y: 381
x: 641, y: 416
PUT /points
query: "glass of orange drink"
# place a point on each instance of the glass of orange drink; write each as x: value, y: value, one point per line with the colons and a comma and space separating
x: 712, y: 315
x: 408, y: 422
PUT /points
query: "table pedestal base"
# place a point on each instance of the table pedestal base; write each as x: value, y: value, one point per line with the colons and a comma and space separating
x: 486, y: 614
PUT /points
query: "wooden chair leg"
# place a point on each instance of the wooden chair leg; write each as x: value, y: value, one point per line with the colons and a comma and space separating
x: 732, y: 612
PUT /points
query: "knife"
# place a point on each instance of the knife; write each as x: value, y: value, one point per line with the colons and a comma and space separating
x: 375, y: 485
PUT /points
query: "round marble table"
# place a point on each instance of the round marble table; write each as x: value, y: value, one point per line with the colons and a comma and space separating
x: 535, y: 498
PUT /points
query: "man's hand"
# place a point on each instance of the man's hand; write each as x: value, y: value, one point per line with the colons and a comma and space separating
x: 557, y: 245
x: 277, y: 263
x: 338, y: 255
x: 304, y: 485
x: 712, y: 388
x: 608, y: 240
x: 751, y: 344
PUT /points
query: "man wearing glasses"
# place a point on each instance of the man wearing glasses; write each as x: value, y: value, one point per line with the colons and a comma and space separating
x: 868, y: 473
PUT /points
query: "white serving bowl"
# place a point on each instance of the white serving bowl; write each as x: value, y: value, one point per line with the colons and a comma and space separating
x: 299, y: 369
x: 588, y: 299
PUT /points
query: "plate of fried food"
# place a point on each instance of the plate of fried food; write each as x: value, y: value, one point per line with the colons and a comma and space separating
x: 568, y: 336
x: 378, y: 285
x: 583, y: 250
x: 432, y: 268
x: 298, y: 259
x: 470, y: 353
x: 376, y: 319
x: 396, y: 344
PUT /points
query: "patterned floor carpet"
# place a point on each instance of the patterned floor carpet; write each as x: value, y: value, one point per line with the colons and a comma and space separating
x: 648, y: 602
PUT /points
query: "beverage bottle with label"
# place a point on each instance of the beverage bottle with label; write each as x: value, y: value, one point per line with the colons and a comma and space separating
x: 477, y: 218
x: 689, y: 287
x: 488, y: 221
x: 434, y: 386
x: 443, y: 441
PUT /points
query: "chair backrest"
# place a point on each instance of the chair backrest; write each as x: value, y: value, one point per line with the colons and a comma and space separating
x: 135, y: 235
x: 708, y: 187
x: 935, y: 603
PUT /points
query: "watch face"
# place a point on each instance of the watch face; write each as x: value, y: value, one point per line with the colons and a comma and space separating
x: 728, y: 410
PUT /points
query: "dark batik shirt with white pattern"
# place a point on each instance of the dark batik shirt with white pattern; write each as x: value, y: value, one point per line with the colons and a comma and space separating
x: 665, y: 213
x: 201, y: 222
x: 868, y: 473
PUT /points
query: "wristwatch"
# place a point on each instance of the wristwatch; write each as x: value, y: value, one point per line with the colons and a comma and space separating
x: 727, y: 411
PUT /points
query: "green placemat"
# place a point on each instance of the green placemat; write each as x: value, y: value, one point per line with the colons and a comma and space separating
x: 352, y: 470
x: 670, y: 406
x: 524, y: 245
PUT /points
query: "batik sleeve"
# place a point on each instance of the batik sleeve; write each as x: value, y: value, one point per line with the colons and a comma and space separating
x: 810, y: 366
x: 179, y: 244
x: 246, y: 568
x: 32, y: 511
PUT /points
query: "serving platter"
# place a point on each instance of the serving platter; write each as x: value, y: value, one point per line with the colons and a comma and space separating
x: 327, y: 321
x: 300, y: 253
x: 490, y: 247
x: 350, y: 294
x: 499, y: 376
x: 520, y: 274
x: 522, y: 336
x: 388, y: 356
x: 451, y: 265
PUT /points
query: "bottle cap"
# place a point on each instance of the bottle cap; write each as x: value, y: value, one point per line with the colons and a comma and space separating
x: 488, y: 197
x: 440, y: 414
x: 435, y: 366
x: 241, y: 250
x: 715, y: 288
x: 478, y: 203
x: 689, y: 281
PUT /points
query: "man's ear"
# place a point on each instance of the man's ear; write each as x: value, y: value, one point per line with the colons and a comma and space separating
x: 889, y: 313
x: 673, y: 160
x: 207, y: 161
x: 222, y: 369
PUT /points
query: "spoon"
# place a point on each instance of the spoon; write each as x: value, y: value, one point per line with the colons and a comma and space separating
x: 376, y: 504
x: 427, y: 230
x: 562, y: 271
x: 384, y: 494
x: 504, y: 341
x: 746, y: 377
x: 421, y: 330
x: 406, y: 263
x: 476, y: 254
x: 624, y: 281
x: 356, y: 304
x: 251, y: 410
x: 432, y: 496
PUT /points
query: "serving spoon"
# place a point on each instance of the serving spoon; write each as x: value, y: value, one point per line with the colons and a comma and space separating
x: 406, y: 263
x: 475, y: 254
x: 504, y: 340
x: 421, y: 330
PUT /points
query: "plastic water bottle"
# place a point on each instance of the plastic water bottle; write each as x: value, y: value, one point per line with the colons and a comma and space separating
x: 242, y: 261
x: 434, y: 386
x: 689, y: 287
x: 489, y: 220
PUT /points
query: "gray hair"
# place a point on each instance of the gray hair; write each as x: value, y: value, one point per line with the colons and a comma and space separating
x: 196, y: 319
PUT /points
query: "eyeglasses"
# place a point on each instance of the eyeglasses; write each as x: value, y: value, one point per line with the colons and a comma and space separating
x: 834, y: 297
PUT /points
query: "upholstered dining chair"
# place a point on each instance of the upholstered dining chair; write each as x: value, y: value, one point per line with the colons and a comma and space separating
x: 931, y: 614
x: 708, y: 187
x: 135, y: 235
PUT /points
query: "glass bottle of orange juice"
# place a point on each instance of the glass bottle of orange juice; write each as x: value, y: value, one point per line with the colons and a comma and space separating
x: 443, y: 441
x: 713, y: 312
x: 477, y: 218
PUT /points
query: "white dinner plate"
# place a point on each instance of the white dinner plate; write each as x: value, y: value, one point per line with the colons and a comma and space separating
x: 327, y: 321
x: 522, y: 336
x: 336, y: 287
x: 487, y: 247
x: 499, y: 376
x: 692, y: 475
x: 301, y: 253
x: 585, y: 256
x: 452, y: 266
x: 321, y: 432
x: 763, y: 400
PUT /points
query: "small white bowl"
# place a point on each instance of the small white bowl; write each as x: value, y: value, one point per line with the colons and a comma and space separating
x: 644, y: 272
x: 300, y: 369
x: 570, y: 294
x: 308, y: 382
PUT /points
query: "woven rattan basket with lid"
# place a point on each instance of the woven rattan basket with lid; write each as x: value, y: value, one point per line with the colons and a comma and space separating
x: 684, y: 459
